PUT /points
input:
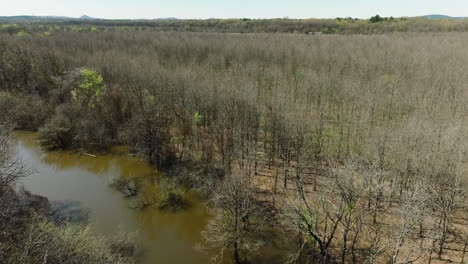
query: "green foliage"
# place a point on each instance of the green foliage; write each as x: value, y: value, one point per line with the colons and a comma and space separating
x: 149, y: 99
x: 349, y: 207
x: 32, y: 231
x: 376, y: 19
x: 197, y: 117
x: 308, y: 222
x: 170, y: 195
x: 46, y: 34
x: 45, y: 242
x: 22, y: 34
x: 90, y: 89
x: 177, y: 139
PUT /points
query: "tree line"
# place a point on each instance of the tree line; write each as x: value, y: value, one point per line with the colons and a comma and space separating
x: 346, y: 26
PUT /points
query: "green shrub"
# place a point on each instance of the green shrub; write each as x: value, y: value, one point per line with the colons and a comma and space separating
x: 376, y: 19
x: 170, y: 196
x: 74, y: 127
x: 59, y: 131
x: 44, y: 242
x: 129, y: 187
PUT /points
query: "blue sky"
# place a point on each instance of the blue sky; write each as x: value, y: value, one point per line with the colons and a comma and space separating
x: 233, y: 8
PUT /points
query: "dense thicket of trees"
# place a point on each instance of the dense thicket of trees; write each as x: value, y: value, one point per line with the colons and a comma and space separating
x: 357, y: 144
x: 374, y: 25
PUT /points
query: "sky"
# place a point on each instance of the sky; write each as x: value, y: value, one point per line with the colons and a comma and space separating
x: 202, y: 9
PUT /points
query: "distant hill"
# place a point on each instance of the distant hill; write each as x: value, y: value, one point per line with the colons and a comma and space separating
x: 32, y: 17
x: 166, y: 18
x: 84, y: 17
x: 443, y: 17
x: 87, y: 17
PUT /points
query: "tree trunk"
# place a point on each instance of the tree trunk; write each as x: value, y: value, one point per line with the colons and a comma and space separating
x: 464, y: 250
x: 444, y: 237
x: 236, y: 253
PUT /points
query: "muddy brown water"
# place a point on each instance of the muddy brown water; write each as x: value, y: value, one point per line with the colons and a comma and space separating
x: 166, y: 237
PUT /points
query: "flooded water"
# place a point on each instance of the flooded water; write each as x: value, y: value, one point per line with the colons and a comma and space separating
x: 166, y: 237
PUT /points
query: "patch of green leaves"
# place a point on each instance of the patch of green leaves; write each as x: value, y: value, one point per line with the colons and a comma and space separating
x: 90, y: 88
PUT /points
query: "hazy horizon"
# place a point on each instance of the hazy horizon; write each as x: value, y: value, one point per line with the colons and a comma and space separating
x: 204, y: 9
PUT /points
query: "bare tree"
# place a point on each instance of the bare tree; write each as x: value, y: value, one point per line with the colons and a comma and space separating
x: 11, y: 211
x: 412, y: 212
x: 149, y: 126
x: 236, y: 221
x: 322, y: 216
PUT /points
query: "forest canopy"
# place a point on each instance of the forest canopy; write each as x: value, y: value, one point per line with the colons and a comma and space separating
x: 374, y: 25
x: 351, y: 146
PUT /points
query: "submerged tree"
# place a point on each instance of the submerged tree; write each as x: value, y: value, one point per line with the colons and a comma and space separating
x: 236, y: 221
x: 30, y: 235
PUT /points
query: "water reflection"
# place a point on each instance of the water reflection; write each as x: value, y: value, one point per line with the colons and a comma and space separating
x: 66, y: 176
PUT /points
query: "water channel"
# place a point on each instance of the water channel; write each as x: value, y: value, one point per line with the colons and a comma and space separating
x: 166, y: 237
